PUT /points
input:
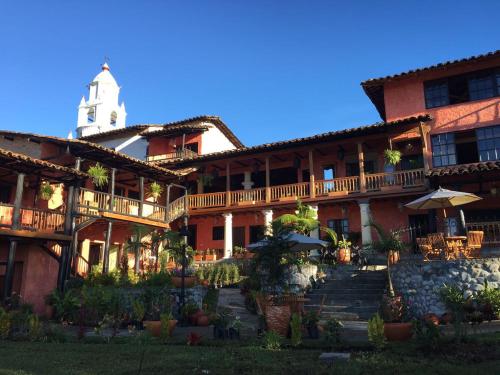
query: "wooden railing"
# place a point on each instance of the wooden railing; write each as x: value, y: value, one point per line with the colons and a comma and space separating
x: 289, y: 192
x: 207, y: 200
x: 6, y: 211
x: 42, y: 220
x: 92, y: 202
x: 176, y: 209
x: 399, y: 179
x: 251, y: 196
x: 337, y: 185
x: 80, y: 265
x: 491, y: 231
x: 178, y: 154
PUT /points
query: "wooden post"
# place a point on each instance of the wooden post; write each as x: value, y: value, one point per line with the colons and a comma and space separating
x: 141, y: 195
x: 107, y: 244
x: 228, y: 185
x: 16, y: 219
x: 112, y: 189
x: 361, y: 160
x: 312, y: 189
x: 423, y: 137
x: 268, y: 181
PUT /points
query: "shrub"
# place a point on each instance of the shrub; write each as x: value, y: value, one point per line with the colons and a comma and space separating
x: 34, y: 328
x: 165, y: 323
x: 155, y: 279
x: 488, y: 300
x: 332, y: 332
x: 296, y: 329
x: 272, y: 340
x: 5, y: 324
x: 376, y: 332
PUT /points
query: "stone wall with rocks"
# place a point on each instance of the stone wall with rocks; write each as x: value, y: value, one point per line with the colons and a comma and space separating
x: 419, y: 282
x: 295, y: 279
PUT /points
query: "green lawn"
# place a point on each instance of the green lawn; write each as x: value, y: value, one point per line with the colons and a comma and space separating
x: 123, y: 357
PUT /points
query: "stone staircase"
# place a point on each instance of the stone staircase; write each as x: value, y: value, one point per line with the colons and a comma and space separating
x: 349, y: 296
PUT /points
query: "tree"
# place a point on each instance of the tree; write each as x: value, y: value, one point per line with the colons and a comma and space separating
x: 136, y: 243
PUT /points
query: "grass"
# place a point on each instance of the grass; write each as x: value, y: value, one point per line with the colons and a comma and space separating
x: 123, y: 356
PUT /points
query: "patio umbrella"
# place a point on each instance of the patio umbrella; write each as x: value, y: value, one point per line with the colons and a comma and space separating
x: 298, y: 243
x: 442, y: 198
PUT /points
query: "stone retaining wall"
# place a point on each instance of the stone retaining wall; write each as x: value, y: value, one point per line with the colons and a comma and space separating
x: 420, y: 282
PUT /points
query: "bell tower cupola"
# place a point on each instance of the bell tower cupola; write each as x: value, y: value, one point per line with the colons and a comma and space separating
x: 101, y: 112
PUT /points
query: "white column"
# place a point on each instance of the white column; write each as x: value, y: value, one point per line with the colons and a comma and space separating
x: 268, y: 219
x: 228, y: 235
x: 247, y: 182
x: 315, y: 233
x: 366, y: 230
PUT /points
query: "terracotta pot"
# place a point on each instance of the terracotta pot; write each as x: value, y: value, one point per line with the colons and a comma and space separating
x: 210, y: 258
x: 193, y: 318
x: 278, y: 318
x: 344, y: 256
x: 154, y: 327
x: 189, y: 281
x: 393, y: 257
x: 431, y: 318
x: 203, y: 321
x: 198, y: 258
x: 398, y: 331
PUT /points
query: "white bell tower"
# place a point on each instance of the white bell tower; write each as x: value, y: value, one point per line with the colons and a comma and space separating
x: 101, y: 112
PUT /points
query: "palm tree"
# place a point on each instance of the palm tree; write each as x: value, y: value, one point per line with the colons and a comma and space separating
x: 136, y: 243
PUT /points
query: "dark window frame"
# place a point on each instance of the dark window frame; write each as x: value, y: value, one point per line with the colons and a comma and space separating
x: 488, y: 142
x: 443, y: 149
x: 218, y: 233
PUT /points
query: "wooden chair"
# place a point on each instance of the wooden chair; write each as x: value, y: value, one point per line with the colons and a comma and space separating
x: 426, y: 249
x: 440, y: 246
x: 472, y: 248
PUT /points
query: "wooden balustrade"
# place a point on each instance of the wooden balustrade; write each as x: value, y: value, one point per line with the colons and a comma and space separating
x: 42, y: 220
x: 178, y: 154
x: 336, y: 186
x: 207, y: 200
x: 491, y: 231
x: 250, y: 196
x: 6, y: 212
x: 398, y: 179
x: 176, y: 209
x: 290, y: 191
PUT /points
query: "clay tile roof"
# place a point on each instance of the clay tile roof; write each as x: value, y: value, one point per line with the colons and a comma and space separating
x: 465, y: 169
x: 97, y: 152
x: 374, y: 87
x: 318, y: 138
x: 23, y: 163
x: 193, y: 123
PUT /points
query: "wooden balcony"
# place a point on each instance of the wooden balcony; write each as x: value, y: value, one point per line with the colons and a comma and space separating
x: 97, y: 204
x: 178, y: 154
x: 34, y: 222
x: 322, y: 190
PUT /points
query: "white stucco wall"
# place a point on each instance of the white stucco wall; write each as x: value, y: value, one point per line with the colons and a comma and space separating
x: 136, y: 149
x: 213, y: 140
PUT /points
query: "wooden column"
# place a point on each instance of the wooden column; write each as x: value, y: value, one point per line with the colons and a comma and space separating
x: 268, y: 181
x: 312, y: 189
x: 16, y: 219
x: 112, y: 189
x: 228, y: 184
x: 107, y: 244
x: 141, y: 195
x: 423, y: 137
x: 361, y: 160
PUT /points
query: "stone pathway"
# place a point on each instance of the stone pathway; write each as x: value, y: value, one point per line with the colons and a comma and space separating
x: 235, y: 301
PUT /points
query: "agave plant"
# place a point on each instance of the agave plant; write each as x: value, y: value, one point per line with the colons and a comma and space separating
x: 99, y: 175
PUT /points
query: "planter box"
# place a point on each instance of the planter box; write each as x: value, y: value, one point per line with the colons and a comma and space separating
x: 245, y: 203
x: 288, y: 199
x: 210, y: 258
x: 198, y: 258
x: 189, y: 281
x: 338, y: 193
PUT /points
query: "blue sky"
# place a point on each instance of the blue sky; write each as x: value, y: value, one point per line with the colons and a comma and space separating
x: 271, y: 69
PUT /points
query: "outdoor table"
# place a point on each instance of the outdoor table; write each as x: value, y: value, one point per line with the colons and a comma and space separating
x: 455, y: 243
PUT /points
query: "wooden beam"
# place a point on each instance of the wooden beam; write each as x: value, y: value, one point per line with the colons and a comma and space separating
x: 228, y: 184
x: 320, y: 152
x: 268, y: 181
x: 34, y: 235
x: 241, y: 163
x: 312, y: 189
x: 361, y: 161
x: 278, y: 158
x: 135, y: 219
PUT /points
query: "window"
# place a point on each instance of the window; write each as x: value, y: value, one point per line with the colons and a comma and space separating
x: 436, y: 94
x: 218, y: 233
x: 481, y: 87
x: 256, y: 233
x: 443, y: 150
x: 91, y: 114
x: 488, y: 143
x: 340, y: 226
x: 328, y: 172
x: 113, y: 118
x: 462, y: 88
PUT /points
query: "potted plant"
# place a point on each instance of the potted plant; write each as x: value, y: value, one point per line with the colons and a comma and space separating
x: 138, y: 313
x: 392, y: 306
x: 189, y: 277
x: 210, y: 256
x: 158, y: 316
x: 190, y: 313
x: 238, y: 252
x: 155, y: 190
x: 99, y: 175
x: 46, y: 191
x: 310, y: 321
x: 344, y: 251
x: 392, y: 157
x: 198, y: 257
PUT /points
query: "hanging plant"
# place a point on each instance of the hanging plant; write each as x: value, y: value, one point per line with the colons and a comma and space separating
x: 155, y: 190
x: 205, y: 179
x: 99, y: 175
x: 392, y: 157
x: 46, y: 191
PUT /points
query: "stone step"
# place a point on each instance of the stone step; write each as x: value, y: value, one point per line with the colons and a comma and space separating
x: 339, y: 308
x: 333, y: 286
x: 347, y: 291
